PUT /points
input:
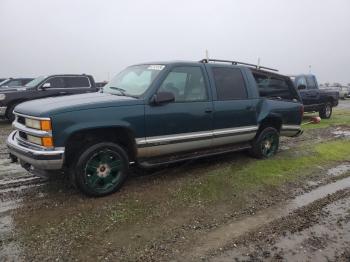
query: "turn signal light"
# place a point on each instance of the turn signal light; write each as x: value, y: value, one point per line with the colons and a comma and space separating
x: 47, y: 141
x: 46, y: 125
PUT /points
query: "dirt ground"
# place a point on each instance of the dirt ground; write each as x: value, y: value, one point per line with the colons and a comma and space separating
x: 161, y: 215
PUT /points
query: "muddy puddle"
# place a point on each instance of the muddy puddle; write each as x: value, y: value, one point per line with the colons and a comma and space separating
x: 339, y: 170
x: 326, y: 240
x: 222, y: 236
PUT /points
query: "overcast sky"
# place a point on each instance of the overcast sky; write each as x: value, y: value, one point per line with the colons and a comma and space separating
x: 101, y: 37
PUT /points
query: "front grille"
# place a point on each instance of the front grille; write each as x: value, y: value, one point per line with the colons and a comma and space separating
x: 22, y: 135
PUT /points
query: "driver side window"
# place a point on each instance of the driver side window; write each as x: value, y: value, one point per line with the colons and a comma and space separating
x: 56, y: 82
x: 186, y: 83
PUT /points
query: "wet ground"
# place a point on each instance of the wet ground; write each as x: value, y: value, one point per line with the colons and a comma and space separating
x: 307, y: 220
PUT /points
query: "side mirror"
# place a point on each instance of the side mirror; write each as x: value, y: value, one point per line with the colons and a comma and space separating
x: 163, y: 98
x: 301, y: 87
x: 46, y: 85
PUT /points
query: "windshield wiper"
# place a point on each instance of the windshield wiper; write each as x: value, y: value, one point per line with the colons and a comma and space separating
x: 121, y: 90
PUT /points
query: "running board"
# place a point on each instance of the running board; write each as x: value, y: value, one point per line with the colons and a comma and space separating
x: 191, y: 156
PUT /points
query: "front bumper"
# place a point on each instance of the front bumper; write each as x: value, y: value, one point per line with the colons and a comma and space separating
x: 3, y: 110
x: 37, y: 158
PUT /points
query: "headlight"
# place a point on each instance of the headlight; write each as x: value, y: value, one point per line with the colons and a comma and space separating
x: 44, y: 125
x: 2, y: 97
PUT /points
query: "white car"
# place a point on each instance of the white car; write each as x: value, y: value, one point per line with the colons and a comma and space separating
x: 344, y: 91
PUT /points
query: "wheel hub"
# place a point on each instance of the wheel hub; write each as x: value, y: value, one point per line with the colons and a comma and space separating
x: 267, y: 144
x: 103, y: 170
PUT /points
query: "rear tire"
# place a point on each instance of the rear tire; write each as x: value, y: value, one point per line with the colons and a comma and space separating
x: 266, y: 143
x: 326, y: 111
x: 101, y: 169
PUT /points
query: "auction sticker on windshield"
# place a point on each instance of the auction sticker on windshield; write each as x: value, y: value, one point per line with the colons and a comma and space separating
x: 156, y: 67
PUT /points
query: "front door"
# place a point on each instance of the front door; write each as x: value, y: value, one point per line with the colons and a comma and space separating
x: 186, y: 123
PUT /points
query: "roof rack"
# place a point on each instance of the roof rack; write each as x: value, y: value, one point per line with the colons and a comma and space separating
x: 237, y: 63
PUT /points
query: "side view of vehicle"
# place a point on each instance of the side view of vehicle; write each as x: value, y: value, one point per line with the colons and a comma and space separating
x: 153, y: 114
x: 10, y: 82
x: 44, y: 86
x: 344, y: 91
x: 314, y: 98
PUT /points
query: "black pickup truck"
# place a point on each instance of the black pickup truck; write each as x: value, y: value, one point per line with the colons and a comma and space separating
x: 41, y: 87
x: 315, y: 99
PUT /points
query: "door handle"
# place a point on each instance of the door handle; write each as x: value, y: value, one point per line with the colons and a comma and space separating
x: 63, y: 93
x: 250, y: 108
x: 208, y: 110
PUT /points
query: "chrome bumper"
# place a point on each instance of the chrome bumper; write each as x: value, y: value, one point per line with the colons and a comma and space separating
x: 3, y: 110
x: 39, y: 159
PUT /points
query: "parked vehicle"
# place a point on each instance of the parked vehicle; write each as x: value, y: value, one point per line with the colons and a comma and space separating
x: 10, y: 82
x: 315, y: 99
x: 153, y: 114
x: 101, y: 84
x: 44, y: 86
x: 343, y: 91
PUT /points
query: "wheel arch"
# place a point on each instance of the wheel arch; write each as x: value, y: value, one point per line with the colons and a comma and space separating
x: 274, y: 121
x: 123, y: 136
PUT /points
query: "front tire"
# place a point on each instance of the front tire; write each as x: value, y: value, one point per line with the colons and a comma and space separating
x: 266, y: 144
x: 101, y: 169
x: 326, y: 111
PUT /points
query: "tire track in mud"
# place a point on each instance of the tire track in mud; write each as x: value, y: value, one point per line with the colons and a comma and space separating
x: 297, y: 214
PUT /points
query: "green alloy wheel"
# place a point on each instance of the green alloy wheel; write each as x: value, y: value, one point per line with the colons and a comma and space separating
x: 265, y: 145
x: 101, y: 169
x: 269, y: 145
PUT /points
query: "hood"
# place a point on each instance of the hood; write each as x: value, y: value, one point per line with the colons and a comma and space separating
x: 55, y: 105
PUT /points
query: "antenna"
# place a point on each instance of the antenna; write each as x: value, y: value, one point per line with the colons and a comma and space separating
x: 207, y: 54
x: 258, y: 65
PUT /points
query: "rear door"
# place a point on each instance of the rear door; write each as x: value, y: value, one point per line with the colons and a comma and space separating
x: 235, y: 117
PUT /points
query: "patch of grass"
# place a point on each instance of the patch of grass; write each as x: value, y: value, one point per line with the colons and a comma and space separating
x: 223, y: 183
x: 339, y: 117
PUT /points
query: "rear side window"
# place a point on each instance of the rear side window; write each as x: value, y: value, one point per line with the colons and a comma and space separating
x: 274, y: 87
x: 229, y: 83
x: 77, y: 81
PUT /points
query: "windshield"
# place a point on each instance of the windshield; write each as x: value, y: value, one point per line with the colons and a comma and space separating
x: 3, y: 82
x: 134, y: 80
x: 35, y: 82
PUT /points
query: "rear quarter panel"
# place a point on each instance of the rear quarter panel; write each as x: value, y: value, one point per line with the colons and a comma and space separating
x: 288, y: 111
